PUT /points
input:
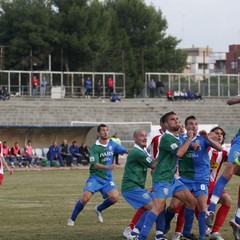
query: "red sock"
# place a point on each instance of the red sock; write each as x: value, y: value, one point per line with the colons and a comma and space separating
x: 220, y: 217
x: 180, y: 219
x: 136, y: 217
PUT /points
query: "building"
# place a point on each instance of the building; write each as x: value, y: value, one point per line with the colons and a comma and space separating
x: 233, y: 59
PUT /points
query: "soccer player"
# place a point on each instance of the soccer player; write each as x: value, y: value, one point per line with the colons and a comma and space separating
x: 153, y: 140
x: 165, y: 185
x: 217, y: 158
x: 3, y: 164
x: 230, y: 169
x: 100, y: 179
x: 194, y: 169
x: 135, y: 173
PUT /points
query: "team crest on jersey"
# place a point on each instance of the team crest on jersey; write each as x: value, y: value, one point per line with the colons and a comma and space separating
x: 235, y: 154
x: 149, y: 159
x: 91, y: 159
x: 174, y: 146
x: 166, y: 190
x: 89, y: 184
x: 213, y: 165
x: 110, y: 148
x: 146, y: 196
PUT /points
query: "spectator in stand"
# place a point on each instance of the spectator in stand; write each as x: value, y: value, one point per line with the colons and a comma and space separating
x: 4, y: 94
x: 98, y: 88
x: 169, y: 95
x: 197, y: 95
x: 160, y: 87
x: 43, y: 86
x: 6, y: 152
x: 54, y: 154
x: 152, y: 88
x: 115, y: 97
x: 85, y: 152
x: 176, y: 95
x: 110, y: 86
x: 35, y: 84
x: 184, y: 95
x: 74, y: 151
x: 15, y: 153
x: 88, y: 87
x: 29, y: 155
x: 190, y: 95
x: 64, y: 151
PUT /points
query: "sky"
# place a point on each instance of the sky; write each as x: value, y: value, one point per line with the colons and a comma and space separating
x: 202, y: 23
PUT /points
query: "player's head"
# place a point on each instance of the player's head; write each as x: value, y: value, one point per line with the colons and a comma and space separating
x: 29, y: 143
x: 182, y: 130
x: 220, y: 134
x: 170, y: 121
x: 191, y: 123
x: 140, y: 138
x: 102, y: 131
x: 162, y: 125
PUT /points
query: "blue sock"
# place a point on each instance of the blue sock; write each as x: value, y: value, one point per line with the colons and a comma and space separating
x: 218, y: 189
x: 106, y: 203
x: 147, y: 226
x: 141, y: 221
x: 160, y: 222
x: 77, y: 209
x: 202, y: 225
x: 188, y: 216
x: 168, y: 218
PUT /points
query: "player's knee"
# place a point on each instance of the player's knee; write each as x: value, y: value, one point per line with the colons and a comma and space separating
x: 114, y: 197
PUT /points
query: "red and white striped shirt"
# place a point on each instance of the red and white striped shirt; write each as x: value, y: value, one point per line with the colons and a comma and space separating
x: 153, y: 141
x: 216, y: 160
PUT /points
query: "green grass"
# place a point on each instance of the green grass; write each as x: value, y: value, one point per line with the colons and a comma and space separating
x: 37, y: 204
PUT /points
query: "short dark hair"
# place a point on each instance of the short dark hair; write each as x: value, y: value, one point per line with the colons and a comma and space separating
x: 101, y: 126
x: 224, y: 133
x: 189, y: 118
x: 164, y: 118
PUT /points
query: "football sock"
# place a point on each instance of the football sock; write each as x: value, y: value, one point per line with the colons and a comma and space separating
x: 136, y: 217
x: 202, y: 224
x: 189, y: 216
x: 217, y: 192
x: 106, y: 203
x: 237, y: 216
x: 168, y: 218
x: 220, y: 217
x: 180, y: 219
x: 141, y: 221
x: 147, y: 226
x: 77, y: 209
x: 160, y: 222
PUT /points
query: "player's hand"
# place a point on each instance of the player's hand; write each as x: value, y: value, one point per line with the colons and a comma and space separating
x: 195, y: 146
x: 113, y: 166
x: 190, y: 134
x: 212, y: 135
x: 10, y: 171
x: 204, y: 134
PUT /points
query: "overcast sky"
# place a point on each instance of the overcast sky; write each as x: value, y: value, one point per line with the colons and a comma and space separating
x: 202, y: 23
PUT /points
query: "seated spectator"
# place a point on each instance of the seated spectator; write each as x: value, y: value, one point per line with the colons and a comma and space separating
x: 64, y: 151
x: 29, y: 156
x: 176, y: 95
x: 197, y: 95
x: 74, y: 151
x: 3, y: 94
x: 6, y: 94
x: 190, y: 95
x: 184, y: 95
x: 15, y: 153
x: 6, y: 152
x: 115, y: 97
x: 169, y: 95
x: 54, y: 154
x: 85, y: 152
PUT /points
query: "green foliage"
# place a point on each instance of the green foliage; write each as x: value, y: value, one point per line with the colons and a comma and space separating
x: 82, y: 35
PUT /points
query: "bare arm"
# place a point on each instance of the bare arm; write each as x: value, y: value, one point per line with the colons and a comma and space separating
x: 105, y: 167
x: 211, y: 138
x: 233, y: 100
x: 183, y: 149
x: 6, y: 166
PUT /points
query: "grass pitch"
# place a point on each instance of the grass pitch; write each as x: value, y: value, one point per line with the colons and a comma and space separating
x: 37, y: 204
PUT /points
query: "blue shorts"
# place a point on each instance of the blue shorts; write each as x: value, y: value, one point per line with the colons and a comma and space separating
x: 234, y: 153
x: 197, y: 188
x: 167, y: 190
x: 137, y: 198
x: 96, y: 184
